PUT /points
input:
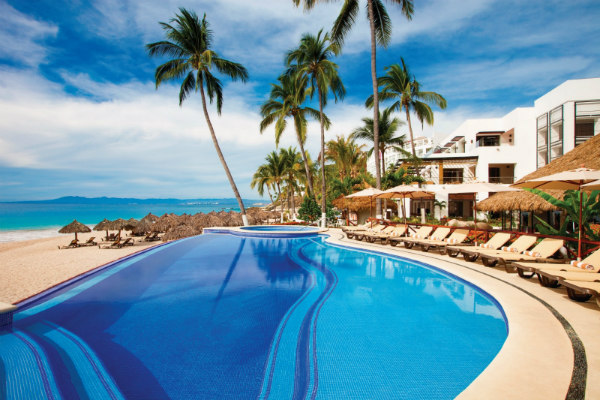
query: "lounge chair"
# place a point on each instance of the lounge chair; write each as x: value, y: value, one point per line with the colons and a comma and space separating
x: 386, y: 234
x: 74, y: 243
x: 360, y: 235
x: 519, y: 245
x: 152, y: 236
x: 89, y: 242
x: 362, y: 227
x: 498, y: 240
x: 128, y: 242
x: 350, y: 233
x: 421, y: 234
x: 582, y: 291
x: 544, y: 250
x: 528, y: 270
x: 458, y: 236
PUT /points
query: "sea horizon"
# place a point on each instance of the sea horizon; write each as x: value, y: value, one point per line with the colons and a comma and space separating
x: 25, y: 220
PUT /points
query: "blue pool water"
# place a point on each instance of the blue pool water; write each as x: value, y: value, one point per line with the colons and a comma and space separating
x: 222, y: 316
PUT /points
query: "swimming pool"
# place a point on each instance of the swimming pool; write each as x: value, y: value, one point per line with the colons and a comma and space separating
x: 278, y: 228
x: 223, y: 316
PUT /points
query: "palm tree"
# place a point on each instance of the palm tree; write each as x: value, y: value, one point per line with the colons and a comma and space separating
x: 193, y: 59
x: 387, y: 134
x: 285, y: 100
x: 381, y: 30
x: 400, y: 85
x: 313, y: 59
x: 271, y: 173
x: 261, y: 180
x: 347, y: 156
x: 293, y: 171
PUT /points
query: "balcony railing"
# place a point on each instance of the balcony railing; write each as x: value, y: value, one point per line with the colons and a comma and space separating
x: 507, y: 180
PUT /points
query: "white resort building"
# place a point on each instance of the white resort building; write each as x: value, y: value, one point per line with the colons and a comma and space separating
x: 504, y: 149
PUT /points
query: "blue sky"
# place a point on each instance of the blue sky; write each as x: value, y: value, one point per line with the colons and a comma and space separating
x: 79, y: 113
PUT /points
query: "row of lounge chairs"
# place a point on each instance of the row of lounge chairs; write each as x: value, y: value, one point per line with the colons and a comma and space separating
x: 119, y: 243
x: 75, y: 243
x: 523, y: 255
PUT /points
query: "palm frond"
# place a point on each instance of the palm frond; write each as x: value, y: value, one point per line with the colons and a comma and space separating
x: 345, y: 20
x: 382, y: 22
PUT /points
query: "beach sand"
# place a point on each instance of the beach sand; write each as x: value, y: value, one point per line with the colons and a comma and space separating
x: 30, y: 267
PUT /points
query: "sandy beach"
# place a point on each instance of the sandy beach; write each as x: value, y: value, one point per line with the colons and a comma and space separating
x: 30, y: 267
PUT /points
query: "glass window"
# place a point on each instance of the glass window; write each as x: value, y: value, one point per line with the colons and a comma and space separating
x: 556, y: 133
x: 587, y: 120
x: 453, y: 175
x: 542, y: 140
x: 488, y: 140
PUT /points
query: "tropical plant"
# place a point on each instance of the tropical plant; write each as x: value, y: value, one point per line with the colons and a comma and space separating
x: 274, y: 171
x: 261, y: 180
x: 400, y: 85
x: 286, y: 101
x: 381, y: 30
x: 387, y: 135
x: 570, y: 204
x: 312, y: 58
x: 440, y: 204
x: 293, y: 172
x: 348, y: 157
x: 399, y: 176
x: 310, y: 211
x: 189, y: 45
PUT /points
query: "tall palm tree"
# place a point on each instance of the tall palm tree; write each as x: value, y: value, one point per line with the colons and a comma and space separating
x: 189, y: 44
x: 387, y: 134
x: 313, y: 59
x: 272, y: 172
x: 286, y: 100
x: 400, y: 85
x: 381, y: 30
x: 348, y: 156
x: 261, y: 180
x: 293, y: 171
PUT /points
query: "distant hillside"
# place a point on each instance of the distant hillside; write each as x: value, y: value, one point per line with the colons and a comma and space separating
x: 120, y: 200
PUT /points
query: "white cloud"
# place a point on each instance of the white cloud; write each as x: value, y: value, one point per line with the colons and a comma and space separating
x: 20, y: 36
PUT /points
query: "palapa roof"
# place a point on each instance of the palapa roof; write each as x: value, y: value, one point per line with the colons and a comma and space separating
x: 74, y: 227
x: 354, y: 204
x: 586, y: 154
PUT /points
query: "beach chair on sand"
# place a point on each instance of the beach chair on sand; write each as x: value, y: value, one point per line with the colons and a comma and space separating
x: 498, y: 240
x: 519, y: 245
x: 544, y: 250
x: 74, y: 243
x: 384, y: 235
x: 589, y: 264
x: 117, y: 244
x: 89, y: 242
x: 458, y: 236
x: 582, y: 291
x: 422, y: 233
x: 359, y: 235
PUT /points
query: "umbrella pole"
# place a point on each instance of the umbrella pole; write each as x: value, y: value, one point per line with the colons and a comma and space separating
x: 580, y: 207
x: 371, y: 210
x: 475, y: 216
x: 404, y: 208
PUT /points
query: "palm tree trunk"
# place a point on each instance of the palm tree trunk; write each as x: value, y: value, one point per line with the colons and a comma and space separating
x: 280, y: 201
x: 324, y: 188
x: 383, y: 162
x: 306, y: 168
x: 293, y: 204
x: 412, y: 139
x: 222, y: 158
x: 375, y: 103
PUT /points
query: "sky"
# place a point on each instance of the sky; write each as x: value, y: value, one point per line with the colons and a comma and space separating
x: 80, y: 114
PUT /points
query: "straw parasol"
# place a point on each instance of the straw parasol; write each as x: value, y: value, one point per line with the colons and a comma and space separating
x: 565, y: 180
x: 404, y: 192
x: 369, y: 193
x: 474, y: 188
x: 131, y: 224
x: 145, y: 225
x: 150, y: 217
x: 75, y: 227
x: 103, y: 225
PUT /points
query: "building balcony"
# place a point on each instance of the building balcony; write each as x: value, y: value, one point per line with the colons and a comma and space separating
x: 506, y: 180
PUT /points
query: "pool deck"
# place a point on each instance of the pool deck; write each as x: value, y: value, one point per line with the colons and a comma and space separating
x: 552, y: 350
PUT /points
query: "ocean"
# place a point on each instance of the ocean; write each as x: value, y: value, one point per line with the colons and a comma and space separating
x: 34, y: 220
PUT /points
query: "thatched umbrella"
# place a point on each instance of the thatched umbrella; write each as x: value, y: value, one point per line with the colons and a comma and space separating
x: 145, y: 225
x: 369, y: 193
x: 150, y: 218
x: 118, y: 225
x: 75, y: 227
x: 180, y: 232
x: 131, y: 224
x: 103, y: 225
